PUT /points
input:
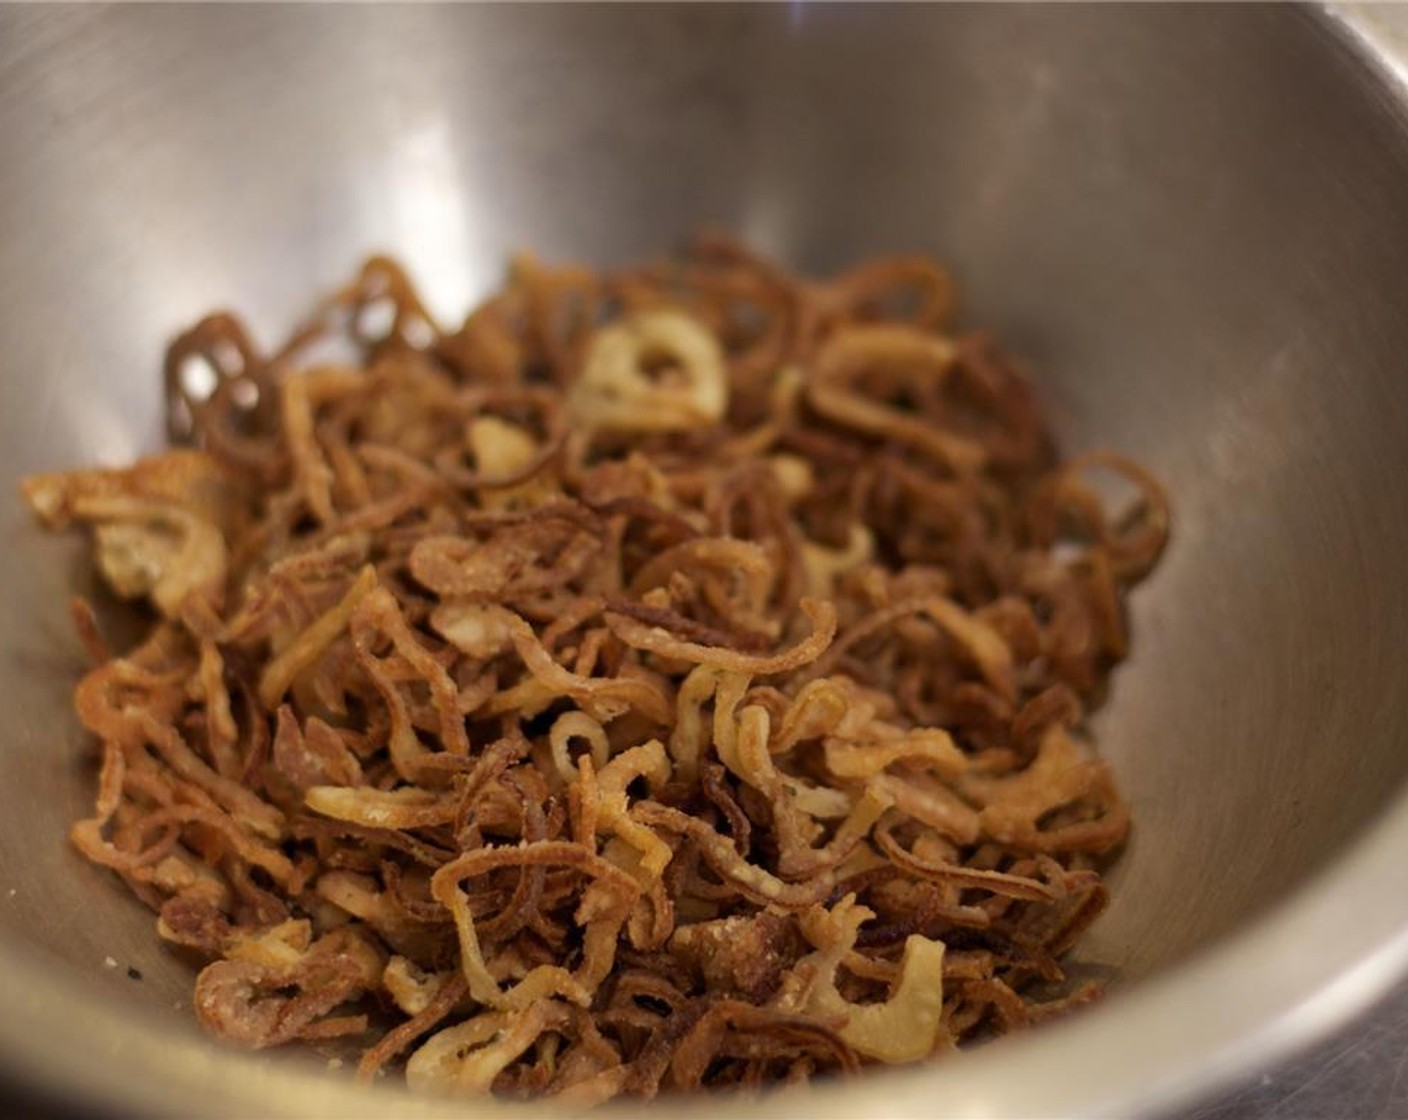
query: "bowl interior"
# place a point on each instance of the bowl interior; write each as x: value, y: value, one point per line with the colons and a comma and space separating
x: 1188, y: 224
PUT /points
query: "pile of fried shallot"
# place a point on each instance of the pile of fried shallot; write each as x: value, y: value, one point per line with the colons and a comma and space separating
x: 672, y: 678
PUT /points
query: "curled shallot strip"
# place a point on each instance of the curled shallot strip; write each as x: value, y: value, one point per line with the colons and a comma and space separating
x: 470, y: 1055
x: 1133, y: 548
x: 640, y: 636
x: 1016, y: 886
x: 280, y: 673
x: 405, y: 808
x: 749, y: 879
x: 602, y: 920
x: 930, y: 747
x: 449, y: 992
x: 891, y: 350
x: 976, y: 637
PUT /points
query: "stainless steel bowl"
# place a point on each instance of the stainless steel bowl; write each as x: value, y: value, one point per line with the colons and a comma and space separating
x: 1191, y: 223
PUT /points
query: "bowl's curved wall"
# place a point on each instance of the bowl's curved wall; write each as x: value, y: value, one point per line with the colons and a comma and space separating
x: 1192, y: 224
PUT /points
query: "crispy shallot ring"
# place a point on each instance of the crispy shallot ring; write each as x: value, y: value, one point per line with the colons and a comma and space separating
x: 617, y: 388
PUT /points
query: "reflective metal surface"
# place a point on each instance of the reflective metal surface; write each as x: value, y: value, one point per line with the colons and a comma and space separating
x: 1191, y: 223
x: 1360, y: 1071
